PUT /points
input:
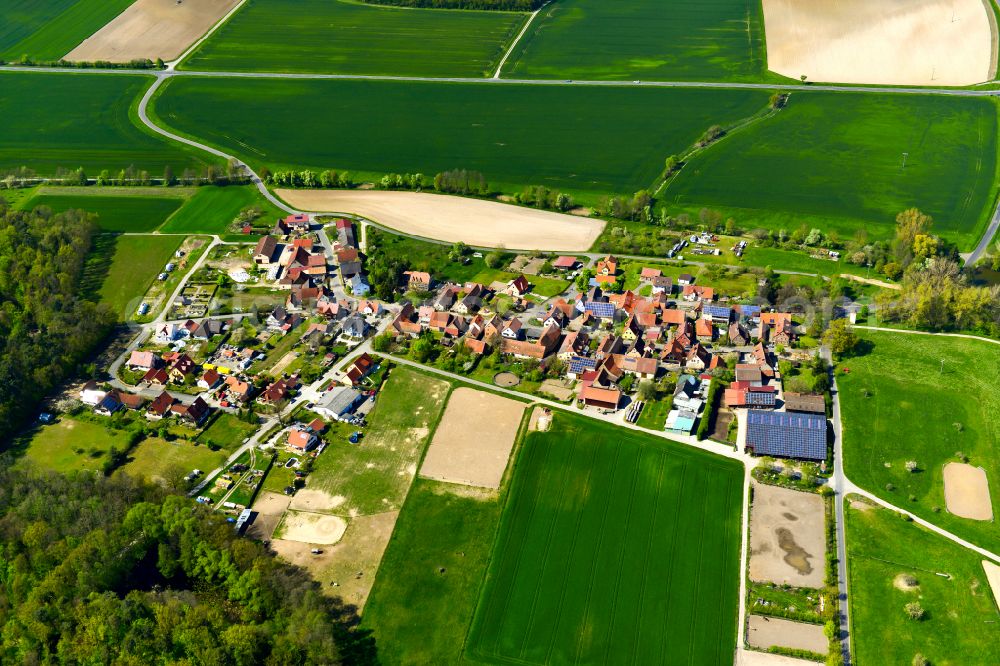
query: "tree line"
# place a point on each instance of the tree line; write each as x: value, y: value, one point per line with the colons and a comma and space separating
x: 130, y: 176
x: 46, y: 328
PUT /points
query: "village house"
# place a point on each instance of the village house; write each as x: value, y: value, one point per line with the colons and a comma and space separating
x: 347, y: 254
x: 349, y: 269
x: 283, y: 321
x: 193, y: 414
x: 297, y: 223
x: 345, y: 234
x: 607, y: 266
x: 182, y: 368
x: 302, y: 439
x: 360, y: 368
x: 513, y: 330
x: 265, y: 251
x: 160, y: 406
x: 684, y: 279
x: 704, y: 330
x: 777, y: 328
x: 698, y: 294
x: 109, y: 404
x: 804, y: 402
x: 238, y: 389
x: 738, y: 335
x: 539, y: 349
x: 473, y: 299
x: 355, y: 327
x: 519, y: 286
x: 279, y: 391
x: 662, y: 284
x: 418, y: 280
x: 745, y: 394
x: 210, y: 379
x: 405, y: 322
x: 446, y: 298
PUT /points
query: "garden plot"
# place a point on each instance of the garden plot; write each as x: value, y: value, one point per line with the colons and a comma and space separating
x: 787, y: 541
x: 151, y: 29
x: 859, y: 41
x: 473, y: 441
x: 967, y: 491
x: 269, y: 507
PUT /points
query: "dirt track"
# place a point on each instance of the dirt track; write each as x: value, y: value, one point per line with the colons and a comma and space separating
x: 903, y: 42
x: 472, y: 221
x: 768, y: 631
x: 152, y: 29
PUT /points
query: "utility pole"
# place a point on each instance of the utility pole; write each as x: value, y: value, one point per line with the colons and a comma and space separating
x: 905, y: 155
x: 941, y: 372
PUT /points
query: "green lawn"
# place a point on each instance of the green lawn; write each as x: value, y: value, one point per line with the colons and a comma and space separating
x: 114, y: 213
x: 120, y: 269
x: 55, y: 446
x: 436, y: 529
x: 154, y: 459
x: 910, y: 414
x: 654, y: 414
x: 614, y: 547
x: 374, y: 475
x: 355, y: 38
x: 674, y: 40
x: 227, y: 432
x: 46, y: 30
x: 212, y: 209
x: 579, y: 139
x: 833, y: 161
x: 961, y: 624
x: 791, y: 260
x: 81, y: 120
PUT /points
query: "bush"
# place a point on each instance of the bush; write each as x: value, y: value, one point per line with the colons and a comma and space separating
x: 915, y: 611
x: 710, y: 404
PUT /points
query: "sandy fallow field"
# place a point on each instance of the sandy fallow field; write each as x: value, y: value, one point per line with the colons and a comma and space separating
x: 967, y: 491
x: 472, y: 444
x: 153, y: 29
x: 787, y: 538
x: 449, y: 218
x: 902, y: 42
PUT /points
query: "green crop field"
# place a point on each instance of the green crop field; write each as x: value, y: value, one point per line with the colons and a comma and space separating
x: 438, y: 528
x: 354, y: 38
x: 45, y: 30
x: 212, y: 209
x: 613, y: 547
x: 580, y: 139
x: 673, y: 40
x: 899, y: 404
x: 80, y: 120
x: 834, y: 161
x: 114, y: 213
x: 960, y: 625
x: 120, y: 269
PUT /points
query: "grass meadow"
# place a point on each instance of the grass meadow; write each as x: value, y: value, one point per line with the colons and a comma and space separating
x: 80, y: 120
x: 114, y: 213
x: 834, y: 161
x: 355, y: 38
x: 154, y: 459
x: 613, y: 547
x: 212, y: 209
x: 960, y: 625
x: 49, y: 29
x: 120, y: 269
x: 587, y: 140
x: 441, y: 526
x: 375, y: 475
x: 899, y: 405
x: 70, y: 445
x: 675, y: 40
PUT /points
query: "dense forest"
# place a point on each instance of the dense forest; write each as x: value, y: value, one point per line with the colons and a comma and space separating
x: 501, y: 5
x: 46, y: 329
x: 108, y: 570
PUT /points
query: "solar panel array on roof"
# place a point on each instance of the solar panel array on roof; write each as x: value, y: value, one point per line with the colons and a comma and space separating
x: 578, y: 364
x: 717, y: 311
x: 787, y: 435
x: 750, y: 310
x: 760, y: 399
x: 603, y: 310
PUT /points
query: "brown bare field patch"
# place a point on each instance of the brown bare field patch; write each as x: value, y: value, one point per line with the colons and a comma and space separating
x: 347, y: 569
x: 311, y: 528
x: 558, y: 388
x: 472, y: 443
x: 270, y: 507
x: 541, y: 419
x: 859, y: 41
x: 787, y: 542
x: 967, y: 491
x: 309, y: 499
x: 449, y: 218
x: 768, y: 632
x: 151, y: 29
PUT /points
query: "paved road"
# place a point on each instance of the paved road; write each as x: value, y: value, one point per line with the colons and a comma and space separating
x: 984, y: 242
x: 722, y: 85
x: 945, y: 335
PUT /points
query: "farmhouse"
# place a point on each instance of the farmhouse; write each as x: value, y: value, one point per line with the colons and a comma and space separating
x: 565, y: 263
x: 786, y: 435
x: 264, y: 253
x: 602, y: 398
x: 418, y: 280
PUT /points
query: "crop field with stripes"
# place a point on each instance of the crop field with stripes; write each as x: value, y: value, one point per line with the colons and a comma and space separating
x: 614, y: 547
